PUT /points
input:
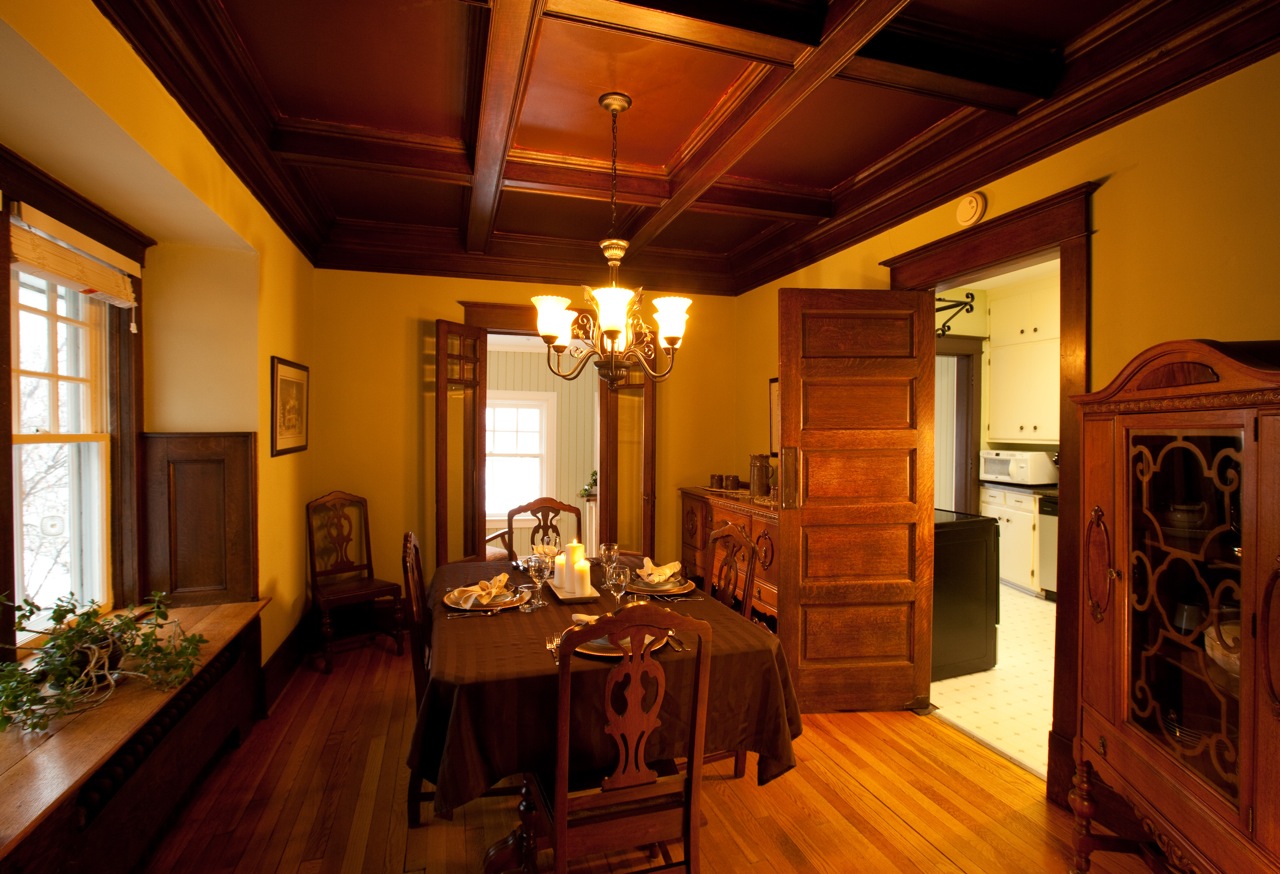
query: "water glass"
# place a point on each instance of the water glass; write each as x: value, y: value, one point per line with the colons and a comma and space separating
x: 538, y: 565
x: 615, y: 580
x: 609, y: 556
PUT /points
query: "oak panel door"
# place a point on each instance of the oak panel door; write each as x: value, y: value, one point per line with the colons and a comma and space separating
x: 855, y: 594
x: 460, y: 372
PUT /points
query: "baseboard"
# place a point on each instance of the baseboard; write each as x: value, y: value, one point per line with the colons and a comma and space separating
x: 283, y: 662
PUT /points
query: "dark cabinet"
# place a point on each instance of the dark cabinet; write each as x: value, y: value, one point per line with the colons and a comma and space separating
x: 966, y: 593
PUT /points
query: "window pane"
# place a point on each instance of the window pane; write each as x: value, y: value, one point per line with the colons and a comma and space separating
x: 504, y: 442
x: 32, y: 291
x: 510, y: 482
x: 74, y: 416
x: 529, y: 419
x: 33, y: 342
x: 529, y: 443
x: 34, y: 405
x: 504, y: 418
x: 72, y: 349
x: 61, y: 525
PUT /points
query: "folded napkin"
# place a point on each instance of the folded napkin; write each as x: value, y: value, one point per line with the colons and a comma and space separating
x: 654, y: 574
x: 583, y: 618
x: 483, y: 592
x: 546, y: 549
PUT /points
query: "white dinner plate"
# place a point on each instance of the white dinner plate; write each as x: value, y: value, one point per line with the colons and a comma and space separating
x: 505, y: 600
x: 673, y: 585
x: 602, y: 647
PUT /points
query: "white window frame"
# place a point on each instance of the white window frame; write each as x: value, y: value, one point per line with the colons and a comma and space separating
x: 90, y: 520
x: 547, y: 402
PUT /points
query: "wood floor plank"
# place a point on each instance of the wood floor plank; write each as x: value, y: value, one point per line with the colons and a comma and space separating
x: 321, y: 785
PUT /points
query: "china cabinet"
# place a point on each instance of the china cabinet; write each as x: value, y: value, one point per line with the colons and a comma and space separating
x: 703, y: 511
x: 1179, y: 675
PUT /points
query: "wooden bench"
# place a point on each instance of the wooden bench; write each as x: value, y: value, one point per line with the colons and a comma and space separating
x: 94, y: 791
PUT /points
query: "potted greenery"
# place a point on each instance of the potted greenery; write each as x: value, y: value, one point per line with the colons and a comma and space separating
x: 86, y: 653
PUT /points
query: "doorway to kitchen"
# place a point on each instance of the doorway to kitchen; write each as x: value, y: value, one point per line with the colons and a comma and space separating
x: 1010, y: 706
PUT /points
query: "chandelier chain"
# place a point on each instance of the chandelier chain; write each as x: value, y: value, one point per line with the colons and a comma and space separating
x: 613, y: 178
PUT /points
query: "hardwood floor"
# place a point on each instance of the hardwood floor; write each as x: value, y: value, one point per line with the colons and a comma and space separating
x: 320, y: 787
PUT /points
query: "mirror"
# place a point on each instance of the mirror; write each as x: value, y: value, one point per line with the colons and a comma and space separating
x: 623, y: 443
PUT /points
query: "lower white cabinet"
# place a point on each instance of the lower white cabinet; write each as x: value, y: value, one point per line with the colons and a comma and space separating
x: 1015, y: 514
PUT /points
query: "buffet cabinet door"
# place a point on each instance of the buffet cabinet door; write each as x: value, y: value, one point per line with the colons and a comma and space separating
x: 1099, y: 626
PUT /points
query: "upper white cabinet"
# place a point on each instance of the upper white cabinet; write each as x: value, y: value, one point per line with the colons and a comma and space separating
x: 1025, y: 367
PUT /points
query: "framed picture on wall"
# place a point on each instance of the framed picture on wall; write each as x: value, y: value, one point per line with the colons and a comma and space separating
x: 775, y: 418
x: 290, y: 388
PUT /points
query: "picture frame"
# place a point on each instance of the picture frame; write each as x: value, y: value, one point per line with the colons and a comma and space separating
x: 775, y: 418
x: 290, y: 405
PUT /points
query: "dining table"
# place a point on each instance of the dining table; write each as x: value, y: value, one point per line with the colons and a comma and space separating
x: 489, y: 709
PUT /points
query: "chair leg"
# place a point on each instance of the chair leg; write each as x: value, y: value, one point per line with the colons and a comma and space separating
x: 398, y: 620
x: 739, y: 764
x: 415, y: 800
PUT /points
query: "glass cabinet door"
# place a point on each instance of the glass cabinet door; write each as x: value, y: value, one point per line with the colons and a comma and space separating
x: 1184, y: 566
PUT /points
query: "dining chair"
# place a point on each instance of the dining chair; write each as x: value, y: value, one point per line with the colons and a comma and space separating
x: 546, y: 513
x: 733, y: 569
x: 342, y: 566
x: 642, y: 801
x: 420, y: 652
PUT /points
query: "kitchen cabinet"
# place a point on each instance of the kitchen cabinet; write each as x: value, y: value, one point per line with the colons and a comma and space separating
x: 1016, y: 514
x: 703, y: 511
x: 1179, y: 632
x: 1025, y: 368
x: 966, y: 594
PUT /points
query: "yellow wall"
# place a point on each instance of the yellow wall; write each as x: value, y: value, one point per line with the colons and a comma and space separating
x: 1185, y: 221
x: 273, y: 317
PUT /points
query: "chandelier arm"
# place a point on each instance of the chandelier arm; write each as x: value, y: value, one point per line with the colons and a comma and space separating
x: 553, y: 360
x: 654, y: 374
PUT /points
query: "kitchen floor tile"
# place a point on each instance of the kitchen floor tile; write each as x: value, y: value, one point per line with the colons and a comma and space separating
x: 1010, y: 707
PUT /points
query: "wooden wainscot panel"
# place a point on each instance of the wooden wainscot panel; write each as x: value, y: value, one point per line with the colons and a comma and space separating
x: 858, y: 405
x: 200, y: 516
x: 867, y: 334
x: 865, y: 477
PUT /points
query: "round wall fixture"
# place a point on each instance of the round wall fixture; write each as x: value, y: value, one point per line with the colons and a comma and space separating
x: 971, y: 208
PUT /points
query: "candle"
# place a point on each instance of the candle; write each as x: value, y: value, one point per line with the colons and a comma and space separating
x: 576, y: 552
x: 559, y: 581
x: 581, y: 576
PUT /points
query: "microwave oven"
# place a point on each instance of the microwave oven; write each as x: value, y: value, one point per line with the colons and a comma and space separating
x: 1014, y: 466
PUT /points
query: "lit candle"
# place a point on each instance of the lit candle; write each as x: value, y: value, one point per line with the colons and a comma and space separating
x: 576, y: 552
x: 559, y: 580
x: 581, y: 576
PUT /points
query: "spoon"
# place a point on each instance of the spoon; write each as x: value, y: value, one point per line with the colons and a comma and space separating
x: 676, y: 643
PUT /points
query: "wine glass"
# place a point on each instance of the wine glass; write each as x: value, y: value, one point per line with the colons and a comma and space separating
x: 608, y: 557
x: 549, y: 548
x: 537, y: 569
x: 615, y: 580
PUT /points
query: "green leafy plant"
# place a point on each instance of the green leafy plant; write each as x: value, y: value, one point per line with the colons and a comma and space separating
x: 86, y: 653
x: 590, y: 487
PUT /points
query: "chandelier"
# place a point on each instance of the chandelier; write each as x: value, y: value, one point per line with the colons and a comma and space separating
x: 610, y: 330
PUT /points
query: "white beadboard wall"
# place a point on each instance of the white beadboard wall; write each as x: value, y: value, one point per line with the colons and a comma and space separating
x: 576, y: 415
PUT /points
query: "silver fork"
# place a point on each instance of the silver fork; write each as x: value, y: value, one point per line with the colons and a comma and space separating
x: 470, y: 613
x: 553, y: 647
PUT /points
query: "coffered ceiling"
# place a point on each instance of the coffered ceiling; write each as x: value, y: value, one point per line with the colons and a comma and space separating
x: 465, y: 138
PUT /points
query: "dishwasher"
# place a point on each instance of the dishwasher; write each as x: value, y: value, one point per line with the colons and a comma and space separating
x: 1047, y: 542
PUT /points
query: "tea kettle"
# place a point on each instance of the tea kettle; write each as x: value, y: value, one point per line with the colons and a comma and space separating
x: 761, y: 473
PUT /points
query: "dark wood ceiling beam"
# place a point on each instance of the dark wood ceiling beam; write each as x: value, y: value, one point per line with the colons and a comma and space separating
x: 965, y: 92
x: 776, y: 95
x: 317, y: 143
x: 513, y: 33
x: 680, y: 29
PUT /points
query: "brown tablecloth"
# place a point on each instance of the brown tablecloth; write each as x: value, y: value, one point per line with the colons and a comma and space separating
x: 489, y: 709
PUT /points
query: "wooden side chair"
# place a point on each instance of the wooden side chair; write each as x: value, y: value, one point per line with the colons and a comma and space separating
x: 420, y: 652
x: 643, y: 801
x: 733, y: 570
x: 546, y: 513
x: 342, y: 566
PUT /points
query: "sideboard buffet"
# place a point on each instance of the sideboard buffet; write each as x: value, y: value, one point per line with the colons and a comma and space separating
x: 1179, y: 669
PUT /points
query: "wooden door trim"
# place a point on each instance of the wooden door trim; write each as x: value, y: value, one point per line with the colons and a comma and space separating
x: 1063, y: 221
x: 968, y: 408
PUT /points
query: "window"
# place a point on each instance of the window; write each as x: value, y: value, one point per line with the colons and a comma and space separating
x: 60, y: 440
x: 519, y: 436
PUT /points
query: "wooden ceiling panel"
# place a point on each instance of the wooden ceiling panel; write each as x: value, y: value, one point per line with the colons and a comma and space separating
x: 372, y: 196
x: 387, y: 66
x: 464, y: 137
x: 845, y: 126
x: 674, y: 89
